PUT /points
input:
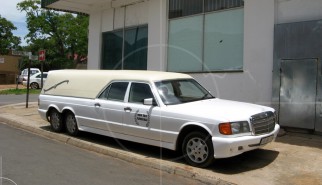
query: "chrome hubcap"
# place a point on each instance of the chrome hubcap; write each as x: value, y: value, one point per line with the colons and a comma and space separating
x: 55, y: 121
x: 197, y: 150
x: 71, y: 123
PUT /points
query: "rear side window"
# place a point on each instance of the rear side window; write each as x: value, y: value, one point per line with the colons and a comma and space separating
x: 32, y: 72
x: 139, y: 92
x: 115, y: 91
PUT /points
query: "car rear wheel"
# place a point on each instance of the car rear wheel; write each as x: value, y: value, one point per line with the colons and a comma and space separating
x: 55, y: 120
x: 34, y: 85
x: 198, y: 150
x: 71, y: 124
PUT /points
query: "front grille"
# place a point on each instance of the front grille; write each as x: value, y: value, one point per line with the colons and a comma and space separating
x: 263, y: 123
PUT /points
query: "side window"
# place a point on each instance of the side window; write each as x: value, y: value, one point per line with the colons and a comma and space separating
x: 45, y: 75
x: 38, y: 76
x: 115, y: 91
x: 139, y: 92
x: 33, y: 72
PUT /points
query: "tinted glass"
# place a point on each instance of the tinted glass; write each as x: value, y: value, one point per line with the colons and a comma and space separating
x: 139, y: 92
x: 112, y: 50
x: 116, y: 91
x: 135, y: 49
x: 185, y: 44
x: 224, y: 40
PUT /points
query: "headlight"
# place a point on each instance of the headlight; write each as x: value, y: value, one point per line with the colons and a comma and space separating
x: 234, y: 128
x: 240, y: 127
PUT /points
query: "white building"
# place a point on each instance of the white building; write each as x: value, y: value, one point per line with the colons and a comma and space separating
x: 227, y: 45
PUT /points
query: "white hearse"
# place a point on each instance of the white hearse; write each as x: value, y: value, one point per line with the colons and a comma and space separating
x: 169, y: 110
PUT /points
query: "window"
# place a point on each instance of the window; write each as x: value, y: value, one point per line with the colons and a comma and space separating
x: 181, y: 91
x: 209, y: 41
x: 185, y: 44
x: 115, y: 91
x: 112, y: 50
x: 139, y: 92
x: 133, y: 55
x: 223, y: 40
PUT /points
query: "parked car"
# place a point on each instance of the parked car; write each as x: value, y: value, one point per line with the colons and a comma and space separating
x: 24, y: 74
x: 35, y: 80
x: 169, y: 110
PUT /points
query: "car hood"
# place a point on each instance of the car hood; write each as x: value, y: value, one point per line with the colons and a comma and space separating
x: 218, y: 109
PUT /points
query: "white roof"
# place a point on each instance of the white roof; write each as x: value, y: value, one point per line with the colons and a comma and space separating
x: 88, y: 83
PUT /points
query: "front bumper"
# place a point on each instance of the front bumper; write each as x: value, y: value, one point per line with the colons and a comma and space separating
x: 229, y: 147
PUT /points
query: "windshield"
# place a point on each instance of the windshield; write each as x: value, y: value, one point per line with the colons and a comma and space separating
x: 181, y: 91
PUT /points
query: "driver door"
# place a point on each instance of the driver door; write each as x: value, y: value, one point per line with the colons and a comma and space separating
x: 141, y: 120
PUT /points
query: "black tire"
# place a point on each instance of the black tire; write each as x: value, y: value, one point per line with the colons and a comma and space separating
x: 197, y: 149
x: 71, y: 124
x: 56, y: 121
x: 34, y: 85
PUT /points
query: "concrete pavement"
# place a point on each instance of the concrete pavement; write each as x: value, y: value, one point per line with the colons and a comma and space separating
x: 293, y: 159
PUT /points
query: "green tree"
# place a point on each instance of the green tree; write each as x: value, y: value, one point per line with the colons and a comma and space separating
x: 7, y: 39
x: 60, y: 34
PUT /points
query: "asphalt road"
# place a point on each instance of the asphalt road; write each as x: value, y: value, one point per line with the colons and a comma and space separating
x: 12, y: 99
x: 32, y: 160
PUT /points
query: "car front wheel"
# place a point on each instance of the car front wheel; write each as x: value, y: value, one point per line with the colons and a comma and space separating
x: 198, y: 150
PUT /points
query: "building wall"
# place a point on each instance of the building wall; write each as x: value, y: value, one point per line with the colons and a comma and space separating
x: 8, y: 69
x: 254, y: 84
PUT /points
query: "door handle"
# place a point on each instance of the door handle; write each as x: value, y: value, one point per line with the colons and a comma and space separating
x: 127, y: 109
x: 97, y: 105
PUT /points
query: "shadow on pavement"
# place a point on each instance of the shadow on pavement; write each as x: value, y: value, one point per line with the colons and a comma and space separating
x: 245, y: 162
x: 301, y: 139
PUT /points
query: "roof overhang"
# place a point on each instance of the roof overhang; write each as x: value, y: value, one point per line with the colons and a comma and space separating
x: 84, y: 6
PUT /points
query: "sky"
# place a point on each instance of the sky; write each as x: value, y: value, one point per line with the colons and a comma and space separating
x: 9, y: 11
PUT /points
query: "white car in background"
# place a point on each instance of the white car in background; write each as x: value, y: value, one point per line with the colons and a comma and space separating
x: 35, y: 80
x: 24, y: 74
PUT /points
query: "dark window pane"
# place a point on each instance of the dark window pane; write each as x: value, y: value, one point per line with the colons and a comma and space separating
x: 104, y: 94
x: 213, y: 5
x: 135, y: 50
x: 180, y: 8
x: 112, y: 50
x: 117, y: 91
x: 139, y: 92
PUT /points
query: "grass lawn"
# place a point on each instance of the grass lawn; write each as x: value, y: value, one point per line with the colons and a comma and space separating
x: 19, y: 91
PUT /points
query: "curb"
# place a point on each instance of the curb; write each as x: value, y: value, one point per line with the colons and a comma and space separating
x: 158, y: 164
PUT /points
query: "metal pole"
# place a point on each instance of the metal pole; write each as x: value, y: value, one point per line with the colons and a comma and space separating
x: 42, y: 71
x: 28, y: 81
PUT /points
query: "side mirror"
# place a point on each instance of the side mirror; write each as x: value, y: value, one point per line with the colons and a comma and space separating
x: 149, y: 101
